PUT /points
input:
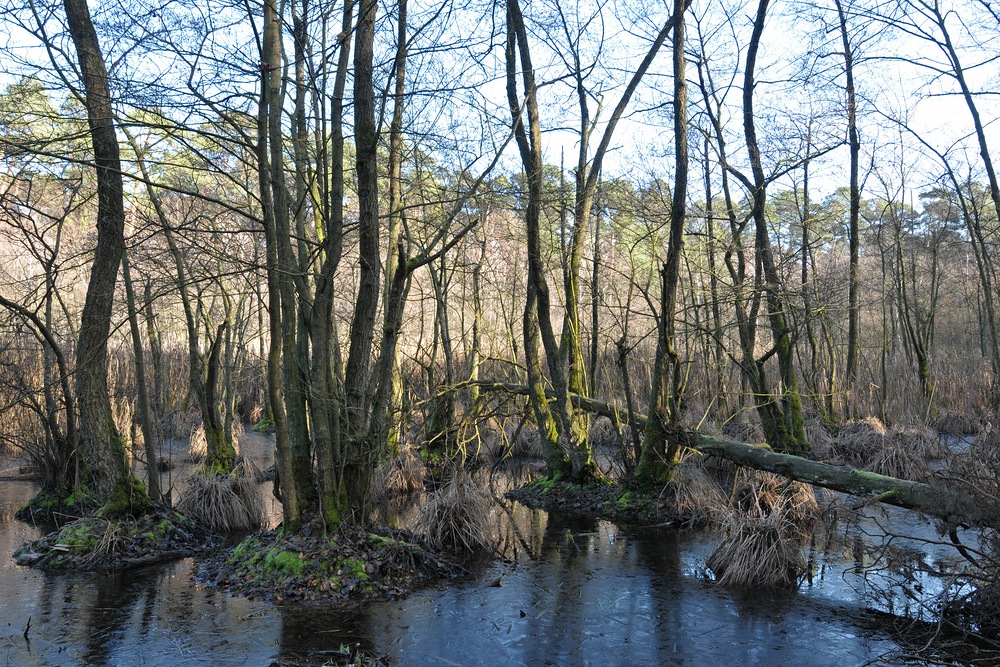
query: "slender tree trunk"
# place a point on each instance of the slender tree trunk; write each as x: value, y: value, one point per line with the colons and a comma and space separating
x: 853, y: 232
x: 142, y: 396
x: 785, y: 431
x: 358, y: 456
x: 285, y: 479
x: 110, y: 477
x: 662, y: 440
x: 536, y: 308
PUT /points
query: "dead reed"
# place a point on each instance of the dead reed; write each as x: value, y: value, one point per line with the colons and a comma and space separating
x: 770, y: 519
x: 899, y: 459
x: 198, y: 445
x: 458, y: 516
x: 821, y: 442
x: 223, y: 503
x: 859, y: 441
x: 756, y: 552
x: 697, y: 499
x: 744, y: 429
x: 398, y: 475
x: 956, y: 424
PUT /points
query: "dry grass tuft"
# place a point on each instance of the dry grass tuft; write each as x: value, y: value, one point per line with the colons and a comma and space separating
x: 245, y: 467
x: 523, y: 443
x: 123, y: 412
x: 604, y: 434
x: 922, y: 440
x: 899, y: 459
x: 698, y: 500
x: 771, y: 519
x: 756, y: 552
x: 821, y: 441
x: 399, y: 475
x: 859, y: 441
x: 181, y: 423
x: 457, y: 517
x: 223, y: 503
x: 956, y: 424
x: 198, y: 446
x: 760, y: 493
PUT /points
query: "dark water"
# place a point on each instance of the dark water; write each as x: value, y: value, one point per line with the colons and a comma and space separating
x: 574, y: 592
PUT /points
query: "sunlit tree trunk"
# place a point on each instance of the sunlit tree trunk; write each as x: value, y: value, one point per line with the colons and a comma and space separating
x: 110, y: 477
x: 661, y: 443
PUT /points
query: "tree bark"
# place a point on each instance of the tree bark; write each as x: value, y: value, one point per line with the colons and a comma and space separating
x: 110, y: 478
x: 661, y: 443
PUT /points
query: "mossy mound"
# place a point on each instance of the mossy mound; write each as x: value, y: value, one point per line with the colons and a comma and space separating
x: 50, y: 510
x: 621, y: 502
x: 350, y: 566
x: 96, y: 543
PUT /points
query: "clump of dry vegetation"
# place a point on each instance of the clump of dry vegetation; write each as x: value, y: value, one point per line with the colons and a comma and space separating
x: 521, y: 442
x: 695, y: 496
x: 756, y: 552
x: 224, y: 502
x: 604, y: 434
x: 764, y: 532
x: 901, y: 459
x: 859, y: 441
x: 956, y: 424
x: 743, y: 429
x: 821, y: 442
x: 457, y: 517
x: 400, y: 474
x: 972, y: 478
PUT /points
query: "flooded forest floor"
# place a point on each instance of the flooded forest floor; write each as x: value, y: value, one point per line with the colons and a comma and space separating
x: 563, y: 585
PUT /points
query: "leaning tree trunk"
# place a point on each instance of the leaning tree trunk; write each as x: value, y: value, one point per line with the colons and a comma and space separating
x: 110, y: 477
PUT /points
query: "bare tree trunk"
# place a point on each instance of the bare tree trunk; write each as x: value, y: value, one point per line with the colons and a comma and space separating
x: 536, y: 308
x: 357, y: 466
x: 853, y: 233
x: 142, y: 396
x: 285, y: 482
x: 662, y: 441
x: 784, y: 428
x: 110, y: 477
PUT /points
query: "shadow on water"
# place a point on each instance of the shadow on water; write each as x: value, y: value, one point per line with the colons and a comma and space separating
x: 569, y: 591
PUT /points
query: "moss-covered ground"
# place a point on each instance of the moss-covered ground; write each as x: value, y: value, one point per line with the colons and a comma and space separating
x: 624, y: 503
x: 97, y: 543
x: 350, y: 566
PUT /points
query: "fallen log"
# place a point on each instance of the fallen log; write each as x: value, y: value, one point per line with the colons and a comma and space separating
x: 952, y: 507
